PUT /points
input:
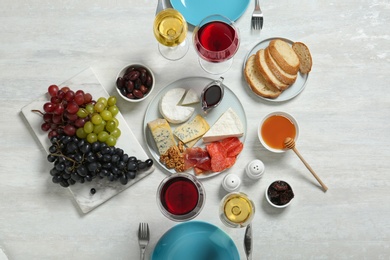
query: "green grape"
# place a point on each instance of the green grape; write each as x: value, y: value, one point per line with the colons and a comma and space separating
x: 99, y: 128
x: 116, y: 133
x: 88, y: 127
x: 111, y: 126
x: 96, y: 119
x: 82, y: 113
x: 80, y: 133
x: 116, y: 121
x: 90, y: 108
x: 99, y: 107
x: 111, y: 141
x: 114, y: 110
x: 103, y: 136
x: 103, y: 100
x: 106, y: 115
x: 111, y: 101
x: 92, y: 137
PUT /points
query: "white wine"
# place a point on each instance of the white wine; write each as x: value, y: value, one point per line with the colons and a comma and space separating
x: 237, y: 209
x: 170, y: 27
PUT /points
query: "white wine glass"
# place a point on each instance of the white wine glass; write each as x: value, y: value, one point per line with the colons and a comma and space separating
x: 170, y: 29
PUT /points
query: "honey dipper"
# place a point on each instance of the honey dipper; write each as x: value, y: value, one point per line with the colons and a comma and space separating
x: 290, y: 144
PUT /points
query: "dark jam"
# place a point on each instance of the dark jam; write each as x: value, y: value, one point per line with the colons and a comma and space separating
x: 212, y: 96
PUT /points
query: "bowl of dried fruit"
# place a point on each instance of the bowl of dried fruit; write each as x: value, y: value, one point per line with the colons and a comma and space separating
x: 279, y: 194
x: 135, y: 82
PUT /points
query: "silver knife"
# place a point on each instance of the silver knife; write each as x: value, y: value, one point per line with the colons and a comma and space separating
x: 248, y: 242
x: 160, y: 6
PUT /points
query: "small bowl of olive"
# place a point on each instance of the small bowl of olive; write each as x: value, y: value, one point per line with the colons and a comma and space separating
x: 135, y: 82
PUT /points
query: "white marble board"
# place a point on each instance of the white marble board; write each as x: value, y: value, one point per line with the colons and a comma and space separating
x: 105, y: 190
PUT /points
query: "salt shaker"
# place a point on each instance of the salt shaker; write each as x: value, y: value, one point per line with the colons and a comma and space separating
x: 231, y: 183
x: 255, y: 169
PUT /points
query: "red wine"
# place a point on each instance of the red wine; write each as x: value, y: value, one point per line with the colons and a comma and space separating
x: 179, y: 196
x: 216, y: 41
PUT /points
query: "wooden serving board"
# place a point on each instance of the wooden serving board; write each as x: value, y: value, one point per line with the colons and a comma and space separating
x: 105, y: 190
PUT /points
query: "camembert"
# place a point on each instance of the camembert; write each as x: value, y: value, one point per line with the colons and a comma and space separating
x: 170, y: 108
x: 228, y: 125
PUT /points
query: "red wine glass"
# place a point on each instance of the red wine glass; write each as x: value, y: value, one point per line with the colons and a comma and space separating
x: 216, y: 41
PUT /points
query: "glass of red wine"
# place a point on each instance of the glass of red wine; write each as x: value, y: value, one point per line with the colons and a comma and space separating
x: 181, y: 197
x: 216, y: 41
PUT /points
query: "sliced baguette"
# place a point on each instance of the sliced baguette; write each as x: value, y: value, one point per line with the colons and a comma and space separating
x: 257, y: 82
x: 284, y: 56
x: 303, y: 53
x: 279, y: 73
x: 267, y: 73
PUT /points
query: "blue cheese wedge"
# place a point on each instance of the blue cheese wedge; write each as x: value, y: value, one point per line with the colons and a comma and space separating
x: 171, y: 110
x: 227, y: 125
x: 192, y: 129
x: 162, y: 134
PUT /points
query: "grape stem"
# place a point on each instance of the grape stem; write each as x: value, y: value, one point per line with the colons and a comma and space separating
x: 37, y: 111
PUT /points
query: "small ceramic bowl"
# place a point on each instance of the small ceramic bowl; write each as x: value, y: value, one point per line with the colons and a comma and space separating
x: 276, y: 196
x: 135, y: 82
x: 278, y: 133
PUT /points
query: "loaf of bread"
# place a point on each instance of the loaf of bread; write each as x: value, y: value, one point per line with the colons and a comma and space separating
x: 257, y: 82
x: 267, y: 73
x: 284, y: 56
x: 303, y: 53
x: 279, y: 73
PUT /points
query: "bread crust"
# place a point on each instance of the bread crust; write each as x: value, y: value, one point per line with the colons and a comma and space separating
x: 267, y: 73
x: 284, y: 56
x: 257, y: 82
x: 279, y: 73
x: 305, y: 59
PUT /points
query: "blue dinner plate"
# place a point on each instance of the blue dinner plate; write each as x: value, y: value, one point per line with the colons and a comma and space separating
x: 195, y: 240
x: 195, y: 10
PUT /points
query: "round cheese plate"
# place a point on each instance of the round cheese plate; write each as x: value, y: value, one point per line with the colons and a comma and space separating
x: 230, y: 100
x: 295, y: 89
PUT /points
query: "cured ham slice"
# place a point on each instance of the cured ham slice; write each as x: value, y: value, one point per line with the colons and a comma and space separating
x: 197, y: 158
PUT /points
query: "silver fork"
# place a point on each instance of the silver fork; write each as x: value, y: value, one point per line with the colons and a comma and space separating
x: 143, y: 238
x: 257, y: 17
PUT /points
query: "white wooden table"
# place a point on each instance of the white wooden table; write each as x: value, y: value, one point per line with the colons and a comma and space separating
x: 343, y: 115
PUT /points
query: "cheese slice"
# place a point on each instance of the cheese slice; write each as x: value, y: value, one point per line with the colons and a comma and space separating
x: 227, y: 125
x: 170, y: 109
x: 162, y: 134
x: 190, y: 98
x: 191, y: 130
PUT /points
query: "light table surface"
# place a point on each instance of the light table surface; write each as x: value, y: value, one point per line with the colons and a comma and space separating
x: 343, y: 115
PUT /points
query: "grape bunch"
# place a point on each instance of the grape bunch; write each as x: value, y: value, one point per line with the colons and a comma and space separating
x: 60, y: 113
x: 75, y: 160
x: 97, y: 121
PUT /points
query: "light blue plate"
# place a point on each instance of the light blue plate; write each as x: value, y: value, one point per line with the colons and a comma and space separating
x: 195, y: 10
x: 195, y: 240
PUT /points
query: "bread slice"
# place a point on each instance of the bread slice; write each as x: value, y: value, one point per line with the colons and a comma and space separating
x: 257, y: 82
x: 279, y: 73
x: 284, y: 56
x: 266, y: 72
x: 303, y: 53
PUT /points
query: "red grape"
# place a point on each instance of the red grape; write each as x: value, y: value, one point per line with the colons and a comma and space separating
x: 48, y: 107
x: 59, y: 109
x: 79, y: 99
x: 60, y: 94
x: 70, y: 130
x: 80, y: 122
x: 52, y: 133
x: 72, y: 107
x: 69, y: 95
x: 53, y: 89
x: 78, y: 92
x: 47, y: 118
x: 71, y: 117
x: 55, y: 100
x: 65, y: 89
x: 87, y: 98
x: 57, y: 119
x: 45, y: 126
